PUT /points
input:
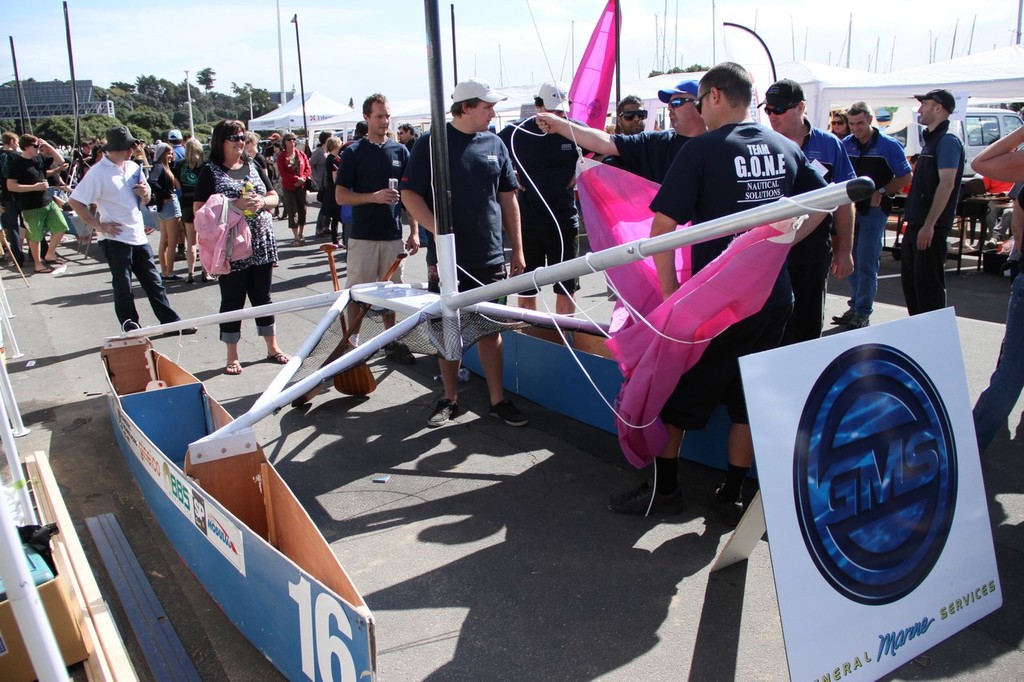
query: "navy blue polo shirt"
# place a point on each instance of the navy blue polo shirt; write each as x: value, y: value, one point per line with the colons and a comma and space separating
x: 365, y: 167
x: 546, y: 165
x: 881, y: 159
x: 833, y: 164
x: 649, y: 155
x: 480, y: 168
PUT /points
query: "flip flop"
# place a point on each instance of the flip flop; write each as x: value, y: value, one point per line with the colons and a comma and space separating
x: 233, y: 368
x: 278, y: 358
x: 45, y: 270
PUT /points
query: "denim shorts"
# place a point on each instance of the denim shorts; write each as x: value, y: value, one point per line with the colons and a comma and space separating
x: 171, y: 209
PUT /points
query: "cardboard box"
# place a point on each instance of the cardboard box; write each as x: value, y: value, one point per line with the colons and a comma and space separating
x: 15, y: 665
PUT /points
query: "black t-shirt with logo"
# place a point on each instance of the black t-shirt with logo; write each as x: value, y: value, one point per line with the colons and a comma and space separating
x: 546, y: 165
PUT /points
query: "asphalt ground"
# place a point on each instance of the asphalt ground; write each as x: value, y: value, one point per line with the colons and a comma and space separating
x: 489, y: 554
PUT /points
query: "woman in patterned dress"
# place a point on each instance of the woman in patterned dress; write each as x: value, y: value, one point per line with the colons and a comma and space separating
x: 234, y: 175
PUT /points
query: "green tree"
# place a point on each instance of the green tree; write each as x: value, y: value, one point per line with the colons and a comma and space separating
x: 205, y: 78
x: 125, y: 88
x: 58, y: 130
x: 154, y: 123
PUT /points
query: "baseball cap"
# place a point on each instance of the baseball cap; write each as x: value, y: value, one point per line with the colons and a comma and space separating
x: 119, y: 139
x: 785, y: 93
x: 159, y: 151
x: 174, y: 135
x: 688, y: 87
x: 555, y: 96
x: 474, y: 88
x: 940, y: 95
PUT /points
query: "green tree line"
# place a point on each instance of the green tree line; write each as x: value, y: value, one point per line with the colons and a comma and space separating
x: 152, y: 106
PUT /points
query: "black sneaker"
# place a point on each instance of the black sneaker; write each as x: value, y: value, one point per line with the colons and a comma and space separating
x: 188, y: 331
x: 639, y: 502
x: 130, y: 326
x: 399, y: 353
x: 844, y: 318
x: 445, y: 411
x: 506, y: 411
x: 729, y: 512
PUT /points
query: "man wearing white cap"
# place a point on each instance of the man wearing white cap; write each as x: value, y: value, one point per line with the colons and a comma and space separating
x: 483, y: 188
x: 647, y: 154
x: 546, y: 165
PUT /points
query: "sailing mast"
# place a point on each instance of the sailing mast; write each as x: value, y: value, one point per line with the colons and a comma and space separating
x: 74, y: 88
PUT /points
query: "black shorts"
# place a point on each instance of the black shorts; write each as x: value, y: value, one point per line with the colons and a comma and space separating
x: 716, y: 376
x: 547, y: 247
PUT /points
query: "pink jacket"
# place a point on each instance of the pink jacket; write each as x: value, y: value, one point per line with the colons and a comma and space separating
x: 223, y: 235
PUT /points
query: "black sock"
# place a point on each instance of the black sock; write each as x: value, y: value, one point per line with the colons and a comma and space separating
x: 666, y: 469
x: 730, y: 490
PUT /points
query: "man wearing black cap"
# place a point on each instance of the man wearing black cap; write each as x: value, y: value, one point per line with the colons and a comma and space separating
x: 827, y: 248
x: 647, y: 154
x: 117, y: 186
x: 931, y: 204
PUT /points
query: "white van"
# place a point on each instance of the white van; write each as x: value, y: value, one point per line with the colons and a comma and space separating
x: 981, y: 127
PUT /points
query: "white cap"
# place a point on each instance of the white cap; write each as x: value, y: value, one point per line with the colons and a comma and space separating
x: 474, y: 88
x: 555, y: 96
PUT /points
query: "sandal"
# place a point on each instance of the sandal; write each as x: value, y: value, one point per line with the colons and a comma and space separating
x: 45, y: 270
x: 278, y: 358
x: 234, y: 368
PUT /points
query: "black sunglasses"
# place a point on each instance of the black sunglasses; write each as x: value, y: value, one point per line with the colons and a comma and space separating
x: 775, y: 111
x: 698, y: 103
x: 237, y: 137
x: 636, y: 113
x: 677, y: 102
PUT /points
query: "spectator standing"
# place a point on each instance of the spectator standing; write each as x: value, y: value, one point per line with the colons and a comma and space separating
x: 483, y: 187
x: 9, y: 212
x: 630, y: 116
x: 317, y: 161
x: 26, y: 180
x: 881, y: 158
x: 187, y: 172
x: 116, y: 186
x: 830, y: 247
x: 234, y: 175
x: 367, y: 180
x: 328, y: 201
x: 546, y: 167
x: 177, y: 142
x: 840, y: 124
x: 165, y: 199
x: 931, y: 205
x: 293, y: 167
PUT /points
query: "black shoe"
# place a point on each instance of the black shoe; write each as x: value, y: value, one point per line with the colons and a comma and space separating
x: 189, y: 331
x: 399, y: 353
x: 844, y: 318
x: 130, y: 326
x: 172, y: 278
x: 191, y: 279
x: 506, y: 411
x: 729, y: 512
x: 639, y: 501
x: 445, y: 411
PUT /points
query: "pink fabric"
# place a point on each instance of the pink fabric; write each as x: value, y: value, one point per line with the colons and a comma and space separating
x: 223, y: 235
x: 731, y: 288
x: 591, y: 88
x: 616, y: 210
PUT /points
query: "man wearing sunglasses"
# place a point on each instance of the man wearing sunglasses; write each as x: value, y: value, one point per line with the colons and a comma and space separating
x: 737, y: 165
x: 647, y: 154
x: 830, y: 247
x: 630, y: 116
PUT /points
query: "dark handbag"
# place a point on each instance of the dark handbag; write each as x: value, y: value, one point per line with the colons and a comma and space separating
x: 308, y: 184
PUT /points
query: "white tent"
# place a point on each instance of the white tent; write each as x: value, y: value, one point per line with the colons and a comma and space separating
x: 993, y: 75
x: 289, y: 114
x: 814, y: 78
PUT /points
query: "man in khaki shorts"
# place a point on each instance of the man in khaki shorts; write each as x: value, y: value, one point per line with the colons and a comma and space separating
x: 367, y: 180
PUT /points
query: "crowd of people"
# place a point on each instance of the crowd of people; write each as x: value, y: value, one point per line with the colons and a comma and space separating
x: 513, y: 210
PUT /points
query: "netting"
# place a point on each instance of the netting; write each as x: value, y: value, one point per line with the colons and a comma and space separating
x: 429, y: 337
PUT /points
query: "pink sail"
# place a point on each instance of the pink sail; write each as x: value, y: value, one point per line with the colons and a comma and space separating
x: 731, y: 288
x: 591, y: 88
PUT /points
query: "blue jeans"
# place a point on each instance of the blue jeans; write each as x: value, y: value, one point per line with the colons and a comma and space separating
x: 867, y: 250
x: 124, y: 260
x: 996, y: 401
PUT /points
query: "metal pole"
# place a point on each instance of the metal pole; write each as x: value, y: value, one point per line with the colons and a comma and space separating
x: 18, y: 483
x: 302, y: 87
x: 455, y: 52
x: 71, y: 64
x: 26, y: 122
x: 191, y: 123
x: 438, y: 131
x: 280, y: 54
x: 618, y: 65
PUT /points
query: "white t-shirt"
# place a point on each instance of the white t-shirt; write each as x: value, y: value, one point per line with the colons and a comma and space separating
x: 111, y: 188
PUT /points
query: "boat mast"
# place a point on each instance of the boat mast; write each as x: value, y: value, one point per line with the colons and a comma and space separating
x: 438, y: 131
x: 71, y: 64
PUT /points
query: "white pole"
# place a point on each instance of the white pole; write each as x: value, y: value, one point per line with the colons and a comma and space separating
x: 7, y: 391
x: 28, y: 610
x: 6, y: 329
x: 280, y: 51
x: 18, y: 484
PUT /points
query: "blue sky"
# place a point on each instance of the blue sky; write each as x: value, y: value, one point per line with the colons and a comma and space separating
x: 351, y: 49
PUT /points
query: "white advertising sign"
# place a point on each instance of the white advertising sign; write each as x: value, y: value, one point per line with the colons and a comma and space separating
x: 871, y: 482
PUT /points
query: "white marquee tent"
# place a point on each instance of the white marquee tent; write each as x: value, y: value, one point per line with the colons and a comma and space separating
x: 289, y: 114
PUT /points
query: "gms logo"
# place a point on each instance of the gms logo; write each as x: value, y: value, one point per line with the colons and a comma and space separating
x: 875, y: 474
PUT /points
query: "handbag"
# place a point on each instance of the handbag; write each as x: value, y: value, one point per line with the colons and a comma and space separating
x: 308, y: 185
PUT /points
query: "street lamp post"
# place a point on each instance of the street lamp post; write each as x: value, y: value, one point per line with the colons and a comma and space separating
x: 191, y: 124
x: 302, y: 87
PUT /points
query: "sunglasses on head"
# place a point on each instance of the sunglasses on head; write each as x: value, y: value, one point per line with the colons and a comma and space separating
x: 775, y: 111
x: 636, y: 113
x: 237, y: 137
